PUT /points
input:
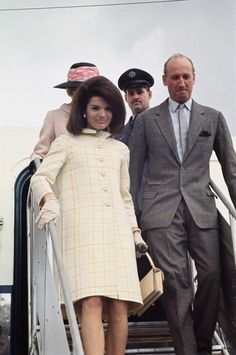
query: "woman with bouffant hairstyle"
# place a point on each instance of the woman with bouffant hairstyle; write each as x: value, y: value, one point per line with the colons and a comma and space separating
x: 96, y: 225
x: 102, y: 87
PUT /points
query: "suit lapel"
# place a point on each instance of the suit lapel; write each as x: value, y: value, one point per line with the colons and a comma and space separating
x: 164, y: 122
x: 197, y: 120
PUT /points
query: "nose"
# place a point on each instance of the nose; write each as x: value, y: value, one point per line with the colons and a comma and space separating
x: 136, y: 96
x: 102, y: 113
x: 181, y: 81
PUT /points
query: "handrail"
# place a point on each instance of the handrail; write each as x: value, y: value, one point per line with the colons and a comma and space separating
x: 19, y: 309
x: 75, y: 335
x: 77, y: 344
x: 232, y: 215
x: 222, y: 197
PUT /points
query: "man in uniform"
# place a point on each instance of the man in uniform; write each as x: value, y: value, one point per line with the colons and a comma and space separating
x: 136, y: 84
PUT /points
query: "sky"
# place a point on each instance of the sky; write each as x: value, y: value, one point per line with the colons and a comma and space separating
x: 38, y: 46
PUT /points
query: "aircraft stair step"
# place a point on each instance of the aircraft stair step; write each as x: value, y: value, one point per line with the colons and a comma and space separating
x: 148, y: 335
x: 151, y: 338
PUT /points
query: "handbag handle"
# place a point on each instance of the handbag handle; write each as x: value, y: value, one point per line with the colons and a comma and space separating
x: 155, y: 269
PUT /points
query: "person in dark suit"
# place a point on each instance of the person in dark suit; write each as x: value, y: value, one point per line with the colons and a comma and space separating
x: 136, y: 84
x: 179, y: 214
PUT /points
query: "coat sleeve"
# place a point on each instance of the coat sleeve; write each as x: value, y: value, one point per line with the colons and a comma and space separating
x: 46, y: 137
x: 138, y: 152
x: 124, y: 190
x: 44, y: 178
x: 224, y: 149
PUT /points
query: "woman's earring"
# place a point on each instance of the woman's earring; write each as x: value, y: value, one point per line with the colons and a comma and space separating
x: 84, y: 115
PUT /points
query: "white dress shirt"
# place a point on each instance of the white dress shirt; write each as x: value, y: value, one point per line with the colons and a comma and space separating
x: 173, y: 107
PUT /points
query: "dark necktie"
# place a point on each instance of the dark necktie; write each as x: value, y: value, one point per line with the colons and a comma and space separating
x: 131, y: 123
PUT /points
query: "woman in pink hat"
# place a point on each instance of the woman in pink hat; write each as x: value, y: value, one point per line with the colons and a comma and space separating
x: 56, y: 120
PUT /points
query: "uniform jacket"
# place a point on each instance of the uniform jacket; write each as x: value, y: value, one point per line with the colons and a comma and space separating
x: 54, y: 124
x: 169, y: 180
x: 97, y: 213
x: 125, y: 135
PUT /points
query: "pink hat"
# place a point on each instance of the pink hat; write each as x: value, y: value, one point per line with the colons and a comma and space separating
x: 78, y: 73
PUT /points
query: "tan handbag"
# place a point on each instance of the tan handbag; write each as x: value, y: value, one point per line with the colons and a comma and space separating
x: 151, y: 287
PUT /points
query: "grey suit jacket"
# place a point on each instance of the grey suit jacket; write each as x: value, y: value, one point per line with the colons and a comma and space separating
x: 169, y: 180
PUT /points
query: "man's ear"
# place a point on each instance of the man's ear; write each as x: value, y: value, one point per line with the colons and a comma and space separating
x: 150, y: 94
x: 164, y: 79
x: 126, y: 97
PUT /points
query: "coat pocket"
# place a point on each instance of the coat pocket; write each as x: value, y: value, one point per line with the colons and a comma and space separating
x: 149, y: 194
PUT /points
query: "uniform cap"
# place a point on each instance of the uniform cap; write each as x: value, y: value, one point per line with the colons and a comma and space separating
x: 135, y: 78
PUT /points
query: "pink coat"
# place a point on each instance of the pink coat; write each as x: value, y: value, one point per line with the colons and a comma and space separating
x: 53, y: 126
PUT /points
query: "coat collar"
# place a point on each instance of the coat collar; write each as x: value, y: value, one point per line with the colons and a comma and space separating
x: 164, y: 122
x: 197, y: 121
x: 96, y: 133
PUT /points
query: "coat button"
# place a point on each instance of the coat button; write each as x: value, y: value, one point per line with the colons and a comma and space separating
x: 107, y: 204
x: 103, y: 174
x: 105, y: 189
x: 100, y: 159
x: 99, y: 146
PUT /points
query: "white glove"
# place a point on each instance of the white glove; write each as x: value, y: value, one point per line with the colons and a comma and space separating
x: 140, y: 245
x: 49, y: 212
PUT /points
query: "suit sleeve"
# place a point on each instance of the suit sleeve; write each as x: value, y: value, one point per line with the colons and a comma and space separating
x: 138, y: 152
x: 125, y: 189
x: 46, y: 136
x: 225, y: 152
x: 44, y: 178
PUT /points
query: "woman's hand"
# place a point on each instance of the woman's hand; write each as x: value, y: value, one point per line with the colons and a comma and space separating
x: 140, y: 245
x: 50, y: 211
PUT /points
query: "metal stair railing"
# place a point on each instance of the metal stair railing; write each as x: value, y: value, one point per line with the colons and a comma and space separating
x: 227, y: 230
x: 232, y: 221
x: 76, y: 340
x: 232, y: 214
x: 47, y: 329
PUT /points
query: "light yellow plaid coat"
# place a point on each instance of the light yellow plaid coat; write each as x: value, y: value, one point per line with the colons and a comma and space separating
x: 97, y: 214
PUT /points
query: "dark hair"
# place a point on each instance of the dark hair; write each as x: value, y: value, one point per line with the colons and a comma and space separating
x: 101, y: 87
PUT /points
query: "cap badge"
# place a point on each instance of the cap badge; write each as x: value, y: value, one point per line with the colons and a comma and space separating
x: 132, y: 74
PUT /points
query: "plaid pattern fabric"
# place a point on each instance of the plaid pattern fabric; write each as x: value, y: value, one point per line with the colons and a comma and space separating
x: 97, y: 214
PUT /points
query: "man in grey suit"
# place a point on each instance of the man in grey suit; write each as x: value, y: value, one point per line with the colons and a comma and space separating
x: 179, y: 213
